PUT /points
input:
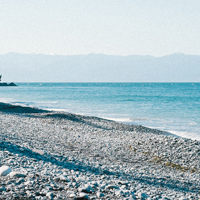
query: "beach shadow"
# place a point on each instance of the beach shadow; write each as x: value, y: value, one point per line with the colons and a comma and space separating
x: 18, y: 109
x: 62, y: 161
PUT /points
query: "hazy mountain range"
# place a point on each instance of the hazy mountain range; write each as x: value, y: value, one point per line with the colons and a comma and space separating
x: 99, y: 68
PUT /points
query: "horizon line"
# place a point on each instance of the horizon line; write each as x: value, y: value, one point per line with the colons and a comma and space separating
x: 176, y: 53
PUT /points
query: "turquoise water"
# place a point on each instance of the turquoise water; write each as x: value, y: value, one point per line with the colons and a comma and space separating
x: 173, y: 107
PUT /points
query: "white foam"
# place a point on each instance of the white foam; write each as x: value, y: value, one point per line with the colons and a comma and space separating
x: 189, y: 135
x: 6, y: 100
x: 119, y: 119
x: 57, y: 109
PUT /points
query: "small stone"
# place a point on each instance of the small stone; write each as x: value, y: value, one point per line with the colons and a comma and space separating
x: 123, y: 183
x: 126, y: 192
x: 2, y: 188
x: 81, y: 179
x: 29, y: 193
x: 50, y: 195
x: 75, y: 184
x: 41, y: 152
x: 87, y: 189
x: 112, y: 187
x: 118, y: 192
x: 72, y: 195
x: 5, y: 170
x: 183, y: 198
x: 37, y: 193
x: 83, y: 196
x: 19, y: 181
x: 70, y: 192
x: 64, y: 178
x: 94, y: 183
x: 15, y: 195
x: 16, y: 174
x: 99, y: 194
x: 142, y: 195
x: 29, y: 183
x: 44, y: 191
x: 40, y: 198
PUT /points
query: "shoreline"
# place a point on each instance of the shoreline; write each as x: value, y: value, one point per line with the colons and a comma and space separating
x: 128, y: 121
x: 64, y: 155
x: 13, y: 108
x: 19, y: 109
x: 179, y: 115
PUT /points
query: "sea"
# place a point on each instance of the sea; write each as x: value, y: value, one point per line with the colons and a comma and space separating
x: 172, y: 107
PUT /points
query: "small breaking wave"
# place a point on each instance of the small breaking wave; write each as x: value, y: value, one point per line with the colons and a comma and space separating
x: 119, y: 119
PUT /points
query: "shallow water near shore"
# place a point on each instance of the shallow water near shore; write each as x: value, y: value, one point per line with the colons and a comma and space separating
x: 173, y: 107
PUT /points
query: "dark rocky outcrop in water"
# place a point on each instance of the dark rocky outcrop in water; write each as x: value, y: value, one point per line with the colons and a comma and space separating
x: 6, y: 84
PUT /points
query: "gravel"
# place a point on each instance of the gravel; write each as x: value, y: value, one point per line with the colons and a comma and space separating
x: 57, y: 155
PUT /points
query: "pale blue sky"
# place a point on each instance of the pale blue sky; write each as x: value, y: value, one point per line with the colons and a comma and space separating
x: 116, y: 27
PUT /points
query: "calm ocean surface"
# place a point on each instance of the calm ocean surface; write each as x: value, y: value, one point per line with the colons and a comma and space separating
x: 173, y: 107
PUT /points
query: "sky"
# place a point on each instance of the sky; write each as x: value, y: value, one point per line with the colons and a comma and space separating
x: 114, y: 27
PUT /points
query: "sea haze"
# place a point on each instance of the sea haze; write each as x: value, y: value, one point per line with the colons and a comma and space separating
x: 178, y: 67
x: 173, y: 107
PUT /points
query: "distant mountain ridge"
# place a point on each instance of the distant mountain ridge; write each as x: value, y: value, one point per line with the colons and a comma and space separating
x: 177, y: 67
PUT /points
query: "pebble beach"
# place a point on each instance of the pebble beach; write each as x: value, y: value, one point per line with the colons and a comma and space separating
x: 59, y: 155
